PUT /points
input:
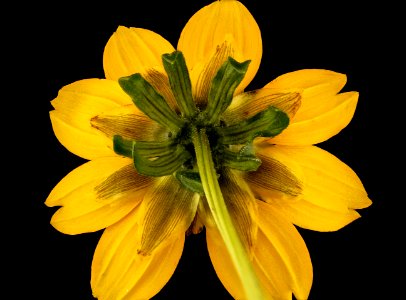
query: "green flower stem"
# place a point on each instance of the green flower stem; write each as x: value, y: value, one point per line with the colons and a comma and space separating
x: 221, y: 216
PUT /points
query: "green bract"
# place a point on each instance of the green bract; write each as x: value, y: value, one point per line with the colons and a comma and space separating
x: 175, y: 155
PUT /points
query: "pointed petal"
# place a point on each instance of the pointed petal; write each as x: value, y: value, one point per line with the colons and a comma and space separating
x: 167, y: 209
x: 324, y: 179
x: 133, y: 50
x: 219, y: 22
x: 329, y: 185
x: 315, y: 85
x: 75, y: 105
x: 248, y: 104
x: 96, y: 195
x: 322, y: 127
x: 307, y: 215
x: 118, y: 272
x: 281, y: 257
x: 322, y: 113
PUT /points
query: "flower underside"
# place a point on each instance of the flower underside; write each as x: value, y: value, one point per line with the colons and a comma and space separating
x: 198, y: 152
x: 199, y: 144
x: 230, y: 143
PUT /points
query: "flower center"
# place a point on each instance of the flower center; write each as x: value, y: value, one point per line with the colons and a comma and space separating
x: 231, y: 145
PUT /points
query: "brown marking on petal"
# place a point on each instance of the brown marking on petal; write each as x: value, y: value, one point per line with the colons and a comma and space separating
x: 124, y: 180
x: 273, y: 175
x: 160, y: 82
x: 129, y: 126
x: 203, y: 84
x: 248, y: 104
x: 167, y: 208
x: 241, y: 205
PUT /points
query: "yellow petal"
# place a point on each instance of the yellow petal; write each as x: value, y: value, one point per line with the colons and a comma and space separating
x: 316, y: 85
x: 281, y: 256
x: 307, y: 215
x: 322, y: 127
x: 167, y: 209
x: 327, y: 181
x: 222, y: 264
x: 75, y: 106
x: 133, y: 50
x: 96, y: 195
x: 118, y: 272
x: 322, y: 113
x: 329, y: 185
x: 248, y: 104
x: 219, y: 22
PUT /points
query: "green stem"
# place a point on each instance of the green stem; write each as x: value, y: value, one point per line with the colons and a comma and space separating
x: 222, y: 218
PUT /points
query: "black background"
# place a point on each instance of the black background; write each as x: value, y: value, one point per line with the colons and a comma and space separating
x: 49, y: 46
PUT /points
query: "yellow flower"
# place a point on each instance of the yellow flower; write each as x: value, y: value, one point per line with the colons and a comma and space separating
x: 176, y: 145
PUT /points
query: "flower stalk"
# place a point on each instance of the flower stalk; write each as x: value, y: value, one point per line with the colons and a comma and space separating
x: 221, y: 216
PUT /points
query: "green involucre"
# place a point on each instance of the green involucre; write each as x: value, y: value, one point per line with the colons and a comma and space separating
x: 176, y: 154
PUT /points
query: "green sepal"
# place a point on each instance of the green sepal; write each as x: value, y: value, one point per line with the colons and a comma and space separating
x: 123, y: 146
x: 239, y: 161
x: 154, y: 149
x: 267, y: 123
x: 222, y: 89
x: 178, y: 74
x: 150, y: 102
x: 163, y: 165
x: 190, y: 180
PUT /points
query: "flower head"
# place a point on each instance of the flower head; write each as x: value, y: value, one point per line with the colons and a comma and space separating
x: 176, y: 145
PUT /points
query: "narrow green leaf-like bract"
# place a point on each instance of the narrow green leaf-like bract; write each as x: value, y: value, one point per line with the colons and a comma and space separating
x: 150, y: 102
